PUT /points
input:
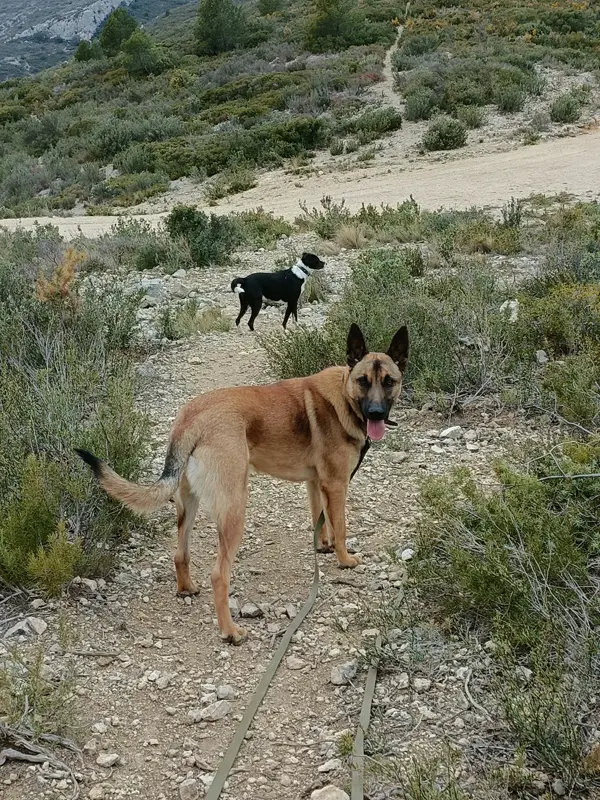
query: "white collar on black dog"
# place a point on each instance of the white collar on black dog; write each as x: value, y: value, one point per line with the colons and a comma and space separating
x: 300, y: 270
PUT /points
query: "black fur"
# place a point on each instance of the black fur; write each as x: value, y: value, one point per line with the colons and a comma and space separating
x: 91, y: 460
x: 283, y: 285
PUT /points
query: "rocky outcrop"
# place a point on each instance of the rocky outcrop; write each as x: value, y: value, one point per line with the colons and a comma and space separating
x: 81, y: 24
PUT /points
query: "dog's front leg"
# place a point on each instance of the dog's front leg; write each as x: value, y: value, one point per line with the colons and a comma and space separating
x: 334, y: 505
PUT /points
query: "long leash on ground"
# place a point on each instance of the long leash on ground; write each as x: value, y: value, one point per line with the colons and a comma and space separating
x: 224, y: 769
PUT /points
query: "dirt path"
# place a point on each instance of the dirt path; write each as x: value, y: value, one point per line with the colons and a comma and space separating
x: 384, y: 90
x: 160, y: 660
x: 569, y: 165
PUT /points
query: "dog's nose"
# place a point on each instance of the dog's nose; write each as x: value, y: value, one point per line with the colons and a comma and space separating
x: 376, y: 412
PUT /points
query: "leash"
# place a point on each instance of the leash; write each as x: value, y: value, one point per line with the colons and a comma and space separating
x: 218, y: 783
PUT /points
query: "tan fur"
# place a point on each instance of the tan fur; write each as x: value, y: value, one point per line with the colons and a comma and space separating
x: 305, y: 429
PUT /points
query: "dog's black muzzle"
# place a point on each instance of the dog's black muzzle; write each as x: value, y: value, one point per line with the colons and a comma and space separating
x: 375, y: 412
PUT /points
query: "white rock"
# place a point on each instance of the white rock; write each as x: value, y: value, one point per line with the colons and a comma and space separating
x: 403, y: 681
x: 329, y: 793
x: 107, y: 759
x: 180, y: 273
x: 558, y: 787
x: 188, y: 790
x: 407, y: 554
x: 99, y: 727
x: 541, y: 356
x: 293, y: 662
x: 29, y: 625
x: 90, y: 584
x: 215, y: 711
x: 96, y: 793
x: 399, y: 457
x: 251, y: 611
x: 342, y: 674
x: 473, y: 447
x: 370, y: 633
x: 291, y: 610
x: 454, y: 432
x: 177, y: 289
x: 439, y: 451
x: 163, y: 681
x: 421, y: 684
x: 38, y: 603
x: 225, y: 692
x: 331, y: 765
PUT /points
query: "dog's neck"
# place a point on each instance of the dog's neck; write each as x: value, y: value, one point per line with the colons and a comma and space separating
x: 300, y: 270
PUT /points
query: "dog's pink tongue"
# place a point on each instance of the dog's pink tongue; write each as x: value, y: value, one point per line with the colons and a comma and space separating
x: 375, y: 429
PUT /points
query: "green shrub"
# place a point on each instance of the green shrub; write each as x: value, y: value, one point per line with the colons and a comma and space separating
x: 376, y: 122
x: 445, y: 133
x: 221, y: 26
x: 235, y: 180
x: 118, y: 28
x: 420, y: 104
x: 129, y: 190
x: 565, y: 108
x: 518, y: 562
x: 55, y: 565
x: 66, y: 380
x: 189, y: 319
x: 336, y: 148
x: 210, y: 239
x: 471, y: 116
x: 509, y: 98
x: 259, y: 228
x: 142, y: 56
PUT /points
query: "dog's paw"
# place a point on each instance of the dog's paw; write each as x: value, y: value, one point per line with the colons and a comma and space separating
x: 236, y: 637
x: 325, y: 547
x: 349, y: 562
x: 189, y: 591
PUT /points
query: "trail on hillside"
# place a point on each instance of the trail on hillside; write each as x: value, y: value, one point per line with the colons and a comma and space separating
x: 569, y: 165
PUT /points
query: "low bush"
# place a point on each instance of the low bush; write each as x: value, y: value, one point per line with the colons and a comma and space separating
x: 190, y: 319
x: 471, y: 116
x: 518, y: 563
x: 231, y: 182
x: 259, y: 228
x: 509, y: 98
x: 566, y: 108
x: 66, y: 380
x: 420, y: 104
x: 129, y: 190
x: 445, y: 133
x: 210, y: 239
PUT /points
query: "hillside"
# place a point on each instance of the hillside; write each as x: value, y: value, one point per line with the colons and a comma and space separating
x: 37, y: 35
x: 292, y: 93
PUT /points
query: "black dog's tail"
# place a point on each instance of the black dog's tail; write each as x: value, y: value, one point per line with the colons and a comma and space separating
x: 237, y: 286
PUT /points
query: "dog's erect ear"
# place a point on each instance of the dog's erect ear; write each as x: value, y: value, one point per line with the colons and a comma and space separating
x: 398, y: 349
x: 356, y: 349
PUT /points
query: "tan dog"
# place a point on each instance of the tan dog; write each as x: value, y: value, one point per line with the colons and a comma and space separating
x: 305, y: 429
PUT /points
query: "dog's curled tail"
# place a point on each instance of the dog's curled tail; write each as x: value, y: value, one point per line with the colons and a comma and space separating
x: 141, y: 499
x: 237, y: 286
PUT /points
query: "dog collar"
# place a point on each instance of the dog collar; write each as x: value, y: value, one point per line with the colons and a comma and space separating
x: 300, y: 270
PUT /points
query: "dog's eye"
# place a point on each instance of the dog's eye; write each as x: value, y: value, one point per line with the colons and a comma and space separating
x: 363, y: 381
x: 388, y: 381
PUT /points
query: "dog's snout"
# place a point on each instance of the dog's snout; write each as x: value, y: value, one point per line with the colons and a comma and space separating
x: 376, y: 412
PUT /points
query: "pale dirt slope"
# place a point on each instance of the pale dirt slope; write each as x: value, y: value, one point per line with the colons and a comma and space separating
x: 569, y: 165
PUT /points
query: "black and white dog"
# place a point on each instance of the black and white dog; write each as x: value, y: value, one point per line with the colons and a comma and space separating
x: 286, y: 285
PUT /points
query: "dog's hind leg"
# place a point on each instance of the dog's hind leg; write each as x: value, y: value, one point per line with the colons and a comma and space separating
x: 243, y: 308
x: 256, y: 304
x: 316, y: 506
x: 186, y: 503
